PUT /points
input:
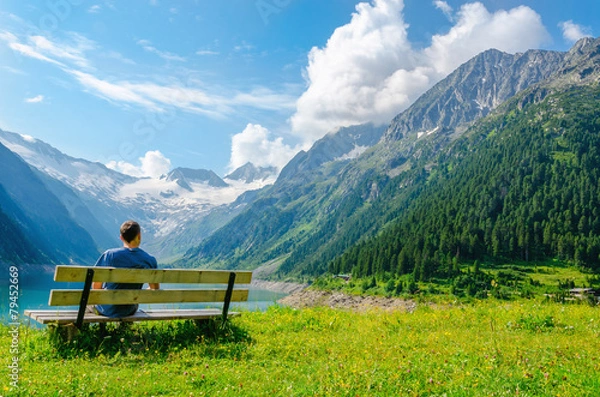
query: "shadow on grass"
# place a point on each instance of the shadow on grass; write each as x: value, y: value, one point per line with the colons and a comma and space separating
x: 157, y: 340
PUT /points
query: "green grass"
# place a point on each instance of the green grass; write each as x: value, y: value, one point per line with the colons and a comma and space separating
x: 491, y: 348
x: 507, y: 280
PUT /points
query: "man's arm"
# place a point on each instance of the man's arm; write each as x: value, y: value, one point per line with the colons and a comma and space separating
x: 102, y: 261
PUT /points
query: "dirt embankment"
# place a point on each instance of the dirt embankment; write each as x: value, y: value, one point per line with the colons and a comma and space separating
x: 300, y: 297
x: 311, y: 298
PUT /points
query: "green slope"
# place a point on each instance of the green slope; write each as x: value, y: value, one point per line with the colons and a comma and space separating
x: 310, y: 219
x: 15, y: 247
x: 523, y: 184
x: 314, y: 213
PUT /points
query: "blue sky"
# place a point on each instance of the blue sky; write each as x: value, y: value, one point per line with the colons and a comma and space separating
x: 148, y: 85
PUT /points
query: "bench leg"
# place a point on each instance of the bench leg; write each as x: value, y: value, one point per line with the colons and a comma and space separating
x: 227, y: 301
x: 72, y: 331
x: 63, y: 333
x: 89, y: 276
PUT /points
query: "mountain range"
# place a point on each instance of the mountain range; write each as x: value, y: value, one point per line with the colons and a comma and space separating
x: 306, y: 220
x: 328, y: 203
x: 36, y: 225
x: 98, y: 199
x: 177, y: 210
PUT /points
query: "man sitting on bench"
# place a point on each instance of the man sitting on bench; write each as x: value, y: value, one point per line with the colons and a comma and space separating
x: 129, y: 256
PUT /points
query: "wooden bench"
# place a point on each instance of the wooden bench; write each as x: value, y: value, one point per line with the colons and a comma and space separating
x: 87, y: 296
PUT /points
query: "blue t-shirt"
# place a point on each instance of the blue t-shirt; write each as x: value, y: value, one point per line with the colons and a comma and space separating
x: 131, y: 258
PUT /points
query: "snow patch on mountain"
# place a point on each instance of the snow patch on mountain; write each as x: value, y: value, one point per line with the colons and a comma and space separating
x: 352, y: 154
x: 28, y: 138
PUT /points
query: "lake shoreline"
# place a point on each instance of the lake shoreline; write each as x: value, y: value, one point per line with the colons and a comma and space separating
x: 307, y: 298
x: 278, y: 286
x: 299, y: 296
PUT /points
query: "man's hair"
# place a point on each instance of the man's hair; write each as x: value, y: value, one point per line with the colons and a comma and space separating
x: 130, y: 230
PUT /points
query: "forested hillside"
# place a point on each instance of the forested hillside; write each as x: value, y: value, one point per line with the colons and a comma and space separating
x: 523, y: 184
x: 284, y: 214
x: 317, y: 209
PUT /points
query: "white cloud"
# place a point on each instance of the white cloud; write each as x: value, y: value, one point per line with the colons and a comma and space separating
x: 346, y: 77
x: 14, y: 70
x: 264, y: 98
x: 256, y: 145
x: 573, y: 32
x: 477, y: 30
x: 243, y: 47
x: 35, y: 99
x: 118, y: 56
x: 167, y: 56
x: 125, y: 168
x: 39, y: 47
x: 69, y: 53
x: 445, y: 8
x: 368, y: 71
x: 153, y: 164
x: 29, y: 51
x: 206, y: 52
x: 158, y: 97
x: 8, y: 37
x: 112, y: 91
x: 94, y: 9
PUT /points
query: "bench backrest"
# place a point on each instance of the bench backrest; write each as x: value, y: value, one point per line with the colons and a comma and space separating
x: 164, y: 276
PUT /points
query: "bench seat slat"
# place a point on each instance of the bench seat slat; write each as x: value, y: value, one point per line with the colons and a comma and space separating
x: 69, y: 316
x: 119, y: 275
x: 122, y: 296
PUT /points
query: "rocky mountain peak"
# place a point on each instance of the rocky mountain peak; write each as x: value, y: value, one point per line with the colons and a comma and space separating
x: 185, y: 176
x: 249, y: 173
x: 346, y: 143
x: 581, y: 64
x: 473, y: 90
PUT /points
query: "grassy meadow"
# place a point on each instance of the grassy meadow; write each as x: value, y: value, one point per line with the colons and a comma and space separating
x: 489, y: 348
